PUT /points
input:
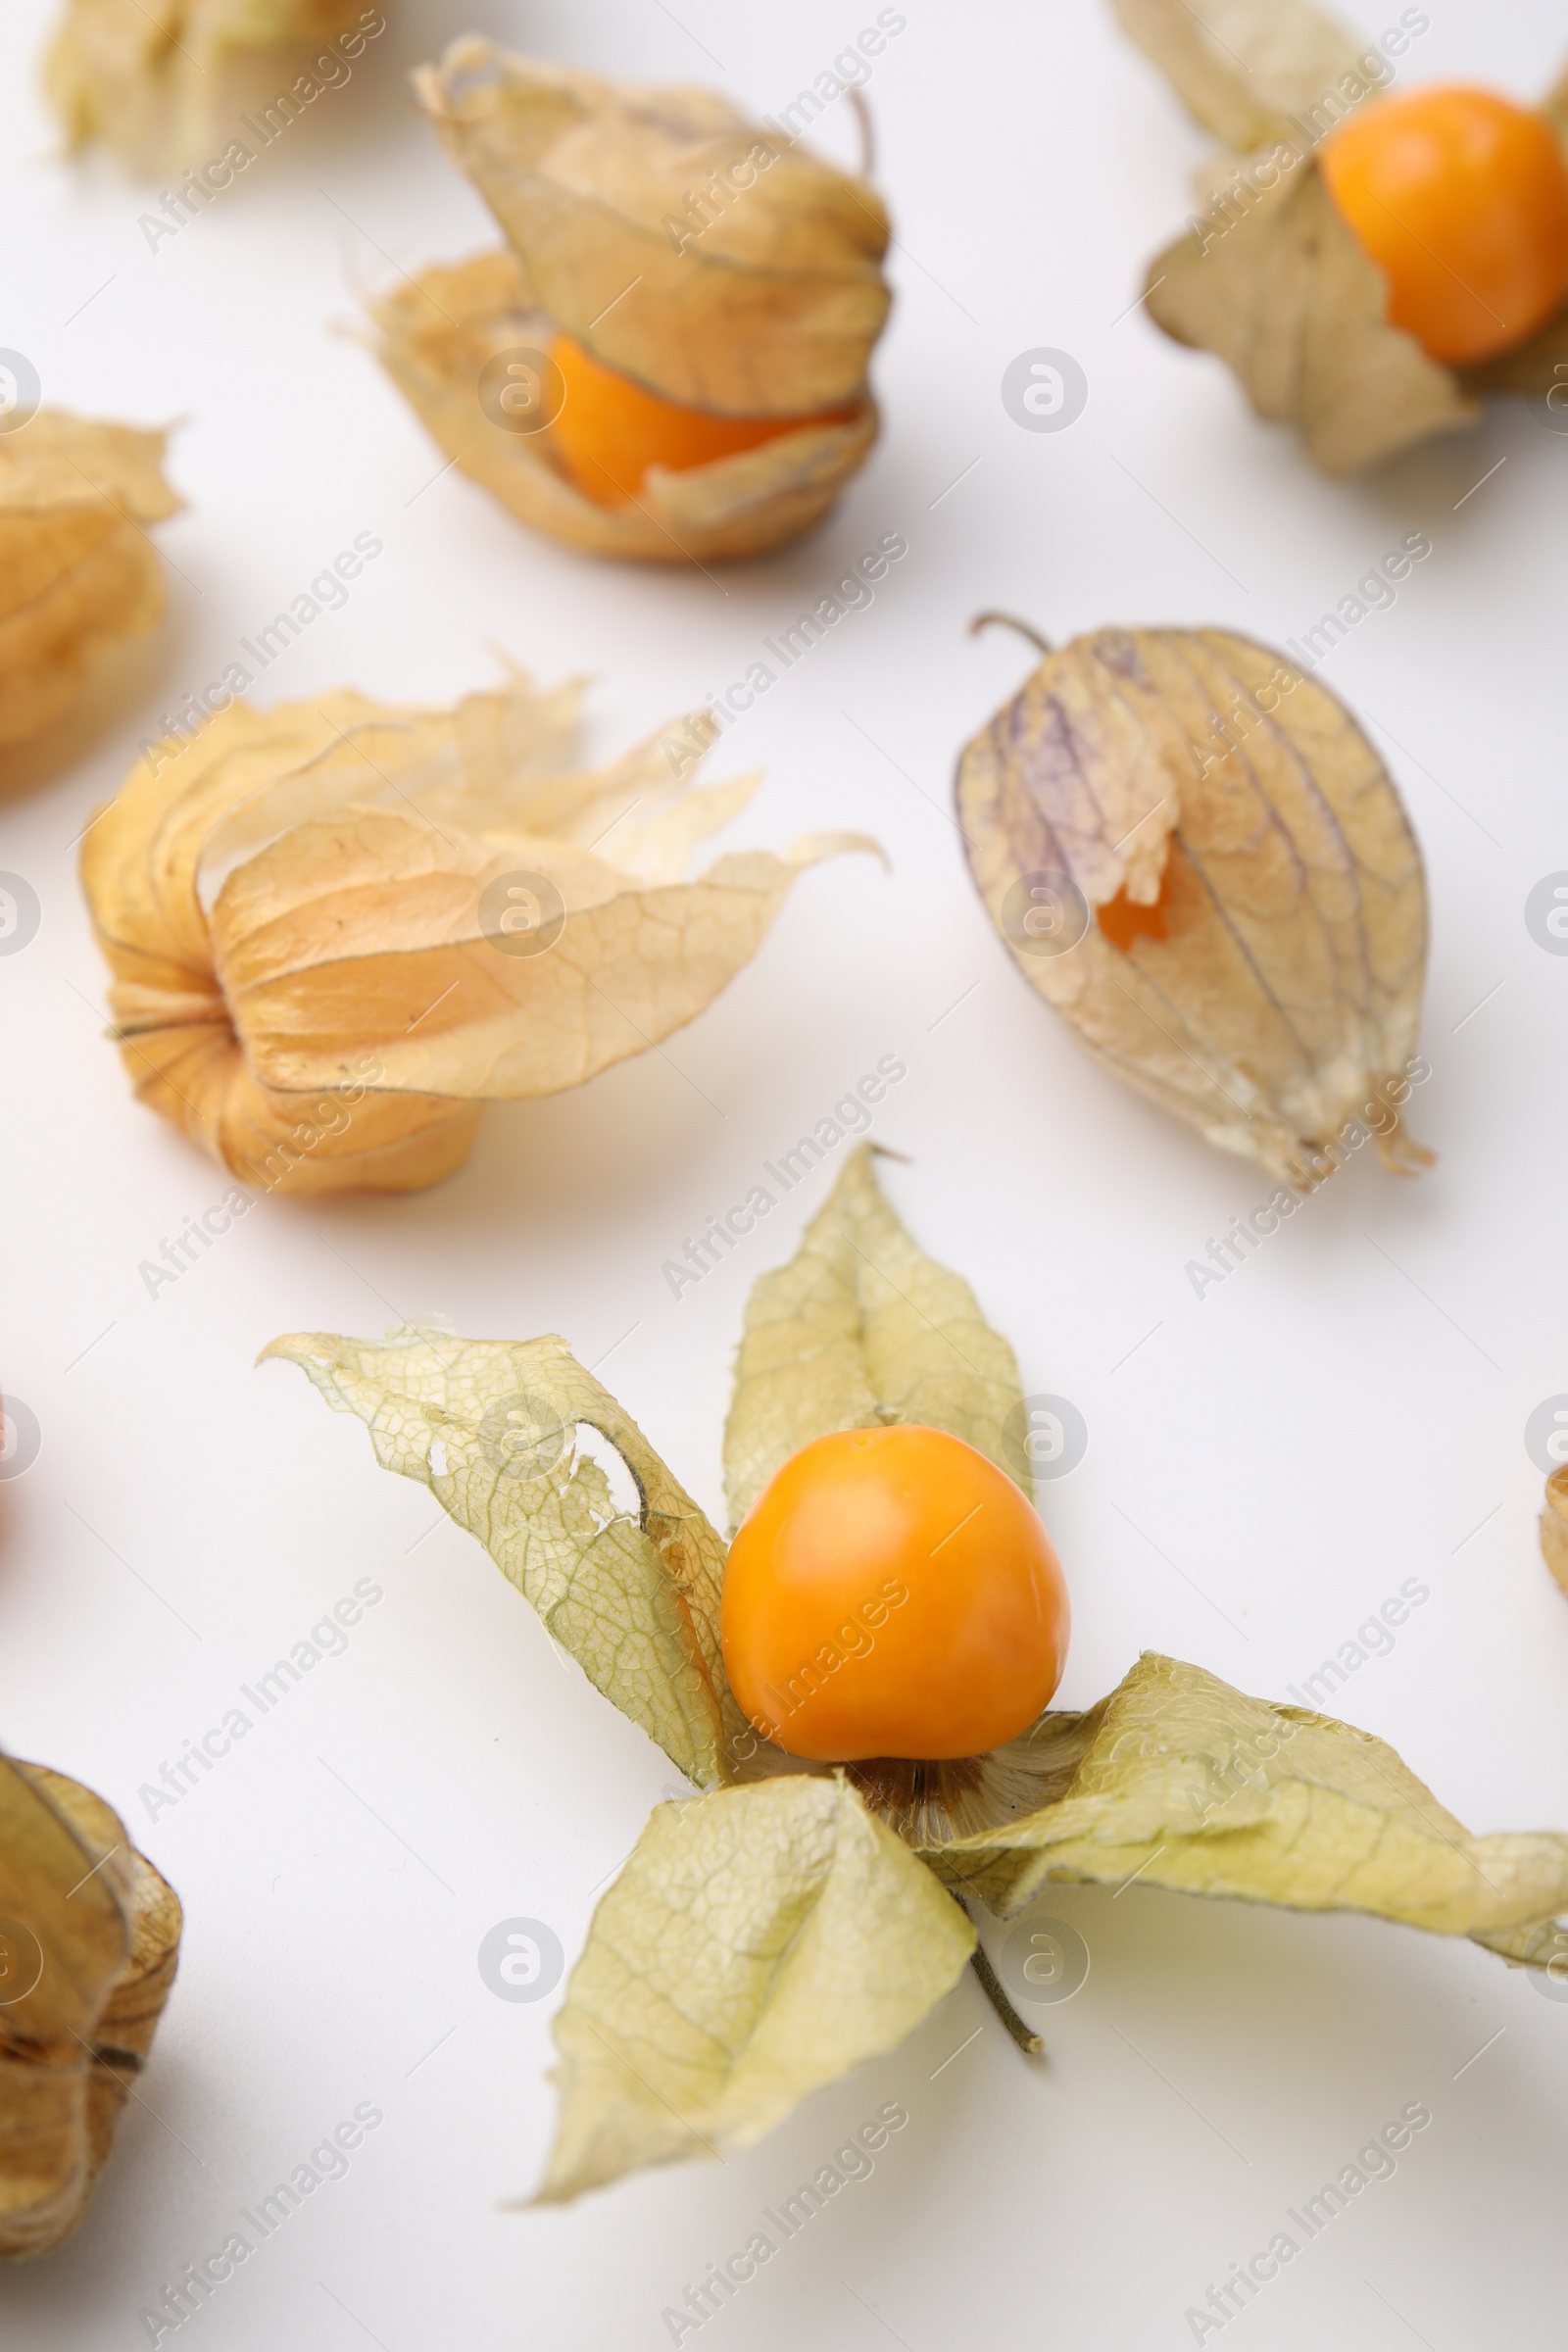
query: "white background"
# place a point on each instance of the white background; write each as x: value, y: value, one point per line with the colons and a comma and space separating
x: 1346, y: 1412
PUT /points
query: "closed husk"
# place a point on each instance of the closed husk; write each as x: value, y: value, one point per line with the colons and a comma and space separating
x: 1196, y: 773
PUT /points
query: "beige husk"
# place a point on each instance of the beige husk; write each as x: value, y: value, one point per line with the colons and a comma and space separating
x: 304, y: 977
x: 1288, y: 300
x: 77, y: 571
x: 92, y: 1915
x: 1268, y: 276
x: 861, y: 1328
x: 143, y: 75
x: 1555, y: 1526
x: 1279, y: 1013
x: 766, y: 303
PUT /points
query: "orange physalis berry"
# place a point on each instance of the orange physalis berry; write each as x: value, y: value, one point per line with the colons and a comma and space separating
x: 611, y: 429
x: 892, y: 1592
x: 1461, y: 199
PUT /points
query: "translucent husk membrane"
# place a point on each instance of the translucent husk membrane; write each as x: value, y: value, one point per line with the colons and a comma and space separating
x: 337, y: 929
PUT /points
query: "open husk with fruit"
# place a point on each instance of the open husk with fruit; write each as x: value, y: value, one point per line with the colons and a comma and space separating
x: 89, y: 1941
x: 1367, y: 265
x: 337, y: 929
x: 803, y: 1914
x: 668, y: 360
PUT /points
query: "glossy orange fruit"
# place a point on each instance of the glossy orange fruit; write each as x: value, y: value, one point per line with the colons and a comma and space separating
x: 1460, y: 197
x: 892, y: 1593
x: 611, y: 429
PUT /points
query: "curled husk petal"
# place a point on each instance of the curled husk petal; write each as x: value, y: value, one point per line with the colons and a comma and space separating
x: 1199, y: 773
x: 77, y: 571
x: 92, y: 1916
x: 142, y: 75
x: 293, y: 905
x: 1267, y: 275
x: 764, y: 303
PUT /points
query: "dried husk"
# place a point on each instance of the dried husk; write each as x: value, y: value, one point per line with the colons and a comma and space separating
x: 142, y: 75
x: 303, y: 976
x: 1180, y: 1780
x: 1268, y: 276
x: 75, y: 1894
x: 766, y: 1938
x: 758, y: 1945
x: 771, y: 309
x: 859, y: 1329
x: 435, y: 333
x: 1279, y: 1013
x: 1245, y: 69
x: 1555, y: 1526
x: 1290, y: 301
x: 494, y: 1429
x: 77, y: 571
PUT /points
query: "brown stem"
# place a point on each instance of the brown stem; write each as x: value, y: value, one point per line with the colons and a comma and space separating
x: 1027, y: 2041
x: 1007, y: 620
x: 862, y: 115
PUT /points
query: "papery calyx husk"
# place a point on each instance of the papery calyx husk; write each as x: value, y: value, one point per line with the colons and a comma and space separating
x: 508, y: 1436
x: 772, y: 308
x: 862, y: 1328
x: 1199, y: 773
x: 765, y: 1937
x: 1268, y: 275
x: 1555, y: 1526
x: 90, y: 1935
x: 307, y: 915
x: 143, y: 75
x: 765, y: 302
x: 1187, y: 1784
x: 78, y: 572
x: 1248, y: 69
x: 760, y: 1943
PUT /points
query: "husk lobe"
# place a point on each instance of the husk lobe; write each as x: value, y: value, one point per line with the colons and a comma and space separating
x: 106, y: 1926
